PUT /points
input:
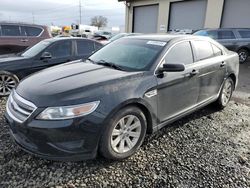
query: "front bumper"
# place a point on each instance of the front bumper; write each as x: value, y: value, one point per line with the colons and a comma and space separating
x: 66, y: 140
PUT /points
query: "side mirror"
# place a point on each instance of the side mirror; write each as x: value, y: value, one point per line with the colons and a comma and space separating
x: 46, y: 55
x: 172, y: 68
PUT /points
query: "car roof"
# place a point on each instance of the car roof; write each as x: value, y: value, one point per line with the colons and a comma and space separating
x: 166, y: 37
x: 209, y: 29
x: 67, y: 38
x: 20, y: 23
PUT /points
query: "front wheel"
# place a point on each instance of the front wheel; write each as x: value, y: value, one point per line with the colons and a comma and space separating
x: 8, y: 82
x: 226, y: 93
x: 124, y: 134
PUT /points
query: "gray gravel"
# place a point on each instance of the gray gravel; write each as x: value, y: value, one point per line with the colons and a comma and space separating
x: 206, y: 149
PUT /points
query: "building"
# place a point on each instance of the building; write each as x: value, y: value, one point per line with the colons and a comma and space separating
x: 150, y: 16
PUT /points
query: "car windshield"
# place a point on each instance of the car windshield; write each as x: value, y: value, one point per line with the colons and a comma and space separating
x: 36, y: 49
x: 130, y: 54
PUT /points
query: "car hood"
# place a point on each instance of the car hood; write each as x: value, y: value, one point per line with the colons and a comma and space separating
x: 7, y: 59
x: 72, y: 83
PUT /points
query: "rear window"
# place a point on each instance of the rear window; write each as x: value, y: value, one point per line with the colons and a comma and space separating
x: 32, y: 31
x: 226, y: 35
x: 10, y: 30
x: 244, y: 34
x: 85, y: 47
x: 203, y: 50
x: 217, y: 51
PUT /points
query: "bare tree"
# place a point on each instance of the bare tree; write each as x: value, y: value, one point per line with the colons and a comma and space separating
x: 99, y: 21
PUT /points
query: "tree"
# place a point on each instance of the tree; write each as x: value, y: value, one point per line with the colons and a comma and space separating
x: 99, y: 21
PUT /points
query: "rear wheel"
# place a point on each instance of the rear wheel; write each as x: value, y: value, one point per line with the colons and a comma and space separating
x: 124, y: 135
x: 243, y: 55
x: 8, y: 82
x: 226, y: 93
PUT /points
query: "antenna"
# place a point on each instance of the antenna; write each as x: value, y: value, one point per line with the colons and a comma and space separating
x: 80, y: 11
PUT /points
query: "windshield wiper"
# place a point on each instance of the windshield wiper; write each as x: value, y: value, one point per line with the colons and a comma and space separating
x: 109, y: 64
x: 92, y: 61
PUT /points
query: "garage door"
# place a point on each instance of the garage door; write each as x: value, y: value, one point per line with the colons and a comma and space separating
x: 236, y: 13
x: 145, y: 19
x: 187, y: 14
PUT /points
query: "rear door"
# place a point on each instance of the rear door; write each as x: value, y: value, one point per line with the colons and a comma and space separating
x: 84, y: 48
x: 61, y: 52
x: 33, y: 33
x: 209, y: 61
x: 177, y: 91
x: 13, y: 39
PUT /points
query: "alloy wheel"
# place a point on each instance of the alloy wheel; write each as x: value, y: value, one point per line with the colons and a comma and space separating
x: 227, y: 92
x: 7, y: 83
x: 243, y: 56
x: 126, y: 134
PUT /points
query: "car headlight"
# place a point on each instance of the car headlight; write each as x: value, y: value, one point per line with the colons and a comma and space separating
x: 68, y: 112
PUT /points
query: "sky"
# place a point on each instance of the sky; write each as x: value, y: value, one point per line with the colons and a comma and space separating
x: 61, y: 12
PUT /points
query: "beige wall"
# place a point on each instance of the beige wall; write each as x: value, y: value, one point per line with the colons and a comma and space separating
x: 212, y: 20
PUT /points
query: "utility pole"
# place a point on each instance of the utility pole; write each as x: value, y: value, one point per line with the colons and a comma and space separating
x: 33, y: 18
x: 80, y: 11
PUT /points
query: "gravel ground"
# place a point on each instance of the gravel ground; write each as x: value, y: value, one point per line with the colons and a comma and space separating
x: 206, y: 149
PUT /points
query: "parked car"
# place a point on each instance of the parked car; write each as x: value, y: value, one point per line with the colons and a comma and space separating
x: 16, y: 37
x: 237, y: 40
x: 133, y: 86
x: 45, y: 54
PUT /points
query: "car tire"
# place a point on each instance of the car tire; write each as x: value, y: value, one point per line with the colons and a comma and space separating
x: 124, y: 134
x: 8, y: 81
x: 225, y: 93
x: 243, y: 55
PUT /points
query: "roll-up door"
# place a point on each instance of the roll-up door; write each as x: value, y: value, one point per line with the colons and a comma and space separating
x: 145, y: 19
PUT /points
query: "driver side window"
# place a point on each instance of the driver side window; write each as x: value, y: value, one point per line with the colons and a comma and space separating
x: 60, y: 49
x: 180, y: 54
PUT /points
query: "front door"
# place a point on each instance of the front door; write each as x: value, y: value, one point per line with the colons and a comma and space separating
x: 61, y: 52
x: 177, y: 91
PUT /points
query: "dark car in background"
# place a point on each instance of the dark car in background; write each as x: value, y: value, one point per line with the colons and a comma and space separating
x: 16, y: 37
x: 237, y: 40
x: 44, y: 54
x: 133, y: 86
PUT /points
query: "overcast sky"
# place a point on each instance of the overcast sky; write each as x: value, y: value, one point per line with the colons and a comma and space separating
x: 61, y: 12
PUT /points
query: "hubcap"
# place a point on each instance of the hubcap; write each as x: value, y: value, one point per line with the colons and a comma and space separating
x: 242, y: 56
x: 7, y: 83
x: 126, y: 134
x: 226, y: 92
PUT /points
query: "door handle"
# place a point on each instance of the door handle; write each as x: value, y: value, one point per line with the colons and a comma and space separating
x: 194, y: 72
x: 24, y: 40
x: 223, y: 64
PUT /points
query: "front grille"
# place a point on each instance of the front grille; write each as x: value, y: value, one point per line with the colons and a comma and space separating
x: 18, y: 108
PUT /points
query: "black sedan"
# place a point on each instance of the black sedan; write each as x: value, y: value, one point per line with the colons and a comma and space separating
x: 45, y: 54
x: 133, y: 86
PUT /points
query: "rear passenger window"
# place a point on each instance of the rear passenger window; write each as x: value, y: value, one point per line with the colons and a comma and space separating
x: 217, y: 51
x: 226, y: 35
x: 244, y: 34
x: 10, y: 30
x: 180, y: 53
x: 85, y: 47
x: 33, y: 31
x: 203, y: 50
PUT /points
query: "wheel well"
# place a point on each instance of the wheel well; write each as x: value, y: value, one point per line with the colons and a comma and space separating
x: 147, y: 114
x: 244, y: 48
x: 233, y: 77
